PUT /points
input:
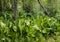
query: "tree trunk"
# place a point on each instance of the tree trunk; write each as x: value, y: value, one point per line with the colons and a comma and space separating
x: 15, y: 9
x: 44, y: 9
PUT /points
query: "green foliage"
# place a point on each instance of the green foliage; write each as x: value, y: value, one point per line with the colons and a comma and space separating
x: 32, y: 26
x: 29, y: 29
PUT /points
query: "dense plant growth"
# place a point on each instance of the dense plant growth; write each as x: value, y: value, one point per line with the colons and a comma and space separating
x: 31, y: 23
